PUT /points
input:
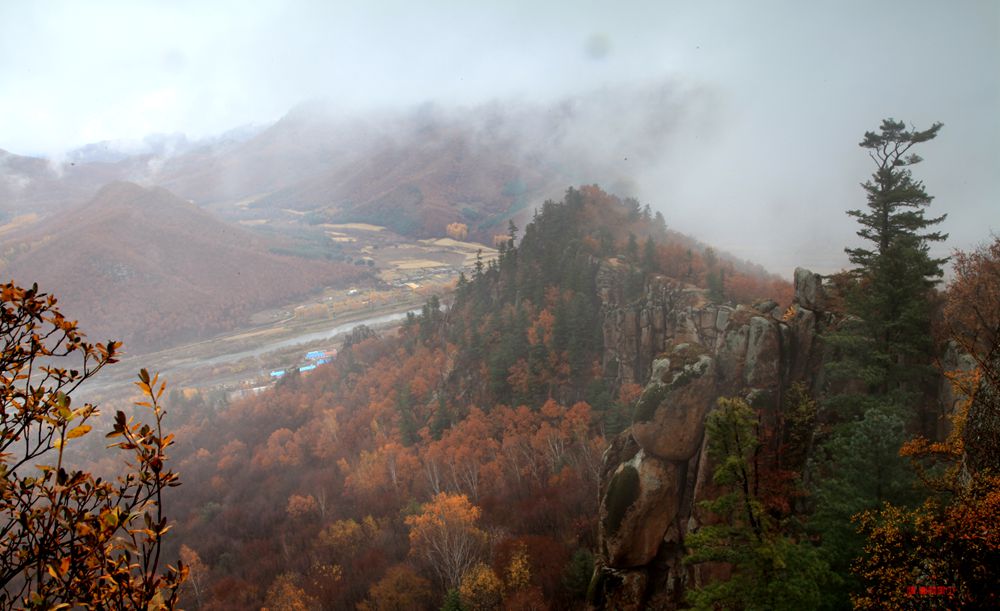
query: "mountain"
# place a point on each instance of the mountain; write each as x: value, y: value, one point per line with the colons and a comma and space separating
x: 35, y: 186
x: 607, y: 416
x: 489, y: 417
x: 157, y: 146
x: 420, y: 169
x: 415, y: 170
x: 430, y: 174
x: 142, y: 265
x: 300, y: 146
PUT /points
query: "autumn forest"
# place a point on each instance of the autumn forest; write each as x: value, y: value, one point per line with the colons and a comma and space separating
x: 393, y: 306
x: 477, y: 456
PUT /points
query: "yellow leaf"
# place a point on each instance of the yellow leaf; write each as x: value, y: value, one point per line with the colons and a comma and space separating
x: 79, y: 431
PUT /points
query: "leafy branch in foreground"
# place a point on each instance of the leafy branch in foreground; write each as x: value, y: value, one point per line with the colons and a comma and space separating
x: 68, y: 539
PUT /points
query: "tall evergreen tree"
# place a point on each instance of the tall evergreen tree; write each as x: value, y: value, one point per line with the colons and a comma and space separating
x: 649, y: 256
x: 885, y: 350
x: 895, y: 271
x: 632, y: 249
x: 896, y: 202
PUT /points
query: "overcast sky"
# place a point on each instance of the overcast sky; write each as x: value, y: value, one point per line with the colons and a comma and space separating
x: 788, y: 89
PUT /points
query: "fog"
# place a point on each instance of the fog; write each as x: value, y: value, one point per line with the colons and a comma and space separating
x: 739, y: 121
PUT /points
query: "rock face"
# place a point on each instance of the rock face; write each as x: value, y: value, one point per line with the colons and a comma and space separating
x: 688, y: 352
x: 673, y: 401
x: 809, y: 289
x: 637, y: 504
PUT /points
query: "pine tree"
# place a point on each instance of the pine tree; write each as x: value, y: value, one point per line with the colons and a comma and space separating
x: 478, y: 269
x: 442, y: 419
x: 452, y: 602
x: 896, y: 271
x: 632, y: 249
x: 649, y: 256
x: 661, y: 223
x: 407, y: 422
x: 896, y: 202
x: 883, y: 348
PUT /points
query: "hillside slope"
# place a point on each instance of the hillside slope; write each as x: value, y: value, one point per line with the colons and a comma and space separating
x: 145, y: 266
x: 35, y: 185
x: 417, y: 184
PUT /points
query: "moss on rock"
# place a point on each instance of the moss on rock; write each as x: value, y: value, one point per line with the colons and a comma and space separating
x: 622, y: 492
x: 648, y: 402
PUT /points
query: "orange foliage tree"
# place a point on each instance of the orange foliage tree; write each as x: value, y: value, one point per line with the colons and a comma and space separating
x: 948, y: 548
x: 401, y: 589
x: 66, y: 538
x: 458, y: 231
x: 972, y: 310
x: 446, y: 536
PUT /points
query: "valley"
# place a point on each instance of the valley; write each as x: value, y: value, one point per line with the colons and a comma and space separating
x: 404, y: 273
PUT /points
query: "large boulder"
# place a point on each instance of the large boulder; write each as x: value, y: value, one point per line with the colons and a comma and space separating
x: 763, y: 361
x: 669, y: 418
x: 639, y: 503
x: 809, y: 289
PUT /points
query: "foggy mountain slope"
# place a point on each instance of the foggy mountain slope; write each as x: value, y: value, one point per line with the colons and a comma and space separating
x: 303, y: 144
x: 418, y: 184
x: 32, y: 185
x: 162, y: 146
x: 422, y: 167
x: 434, y: 164
x: 144, y: 266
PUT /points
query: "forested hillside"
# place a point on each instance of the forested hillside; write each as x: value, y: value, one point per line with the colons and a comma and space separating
x: 611, y: 414
x: 462, y: 454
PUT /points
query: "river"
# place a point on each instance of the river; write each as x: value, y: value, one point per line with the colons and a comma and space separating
x: 305, y: 338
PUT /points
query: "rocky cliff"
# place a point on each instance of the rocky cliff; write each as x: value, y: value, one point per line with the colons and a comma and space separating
x: 688, y: 352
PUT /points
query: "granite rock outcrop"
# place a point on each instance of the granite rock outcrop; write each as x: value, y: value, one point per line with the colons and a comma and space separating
x: 687, y: 352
